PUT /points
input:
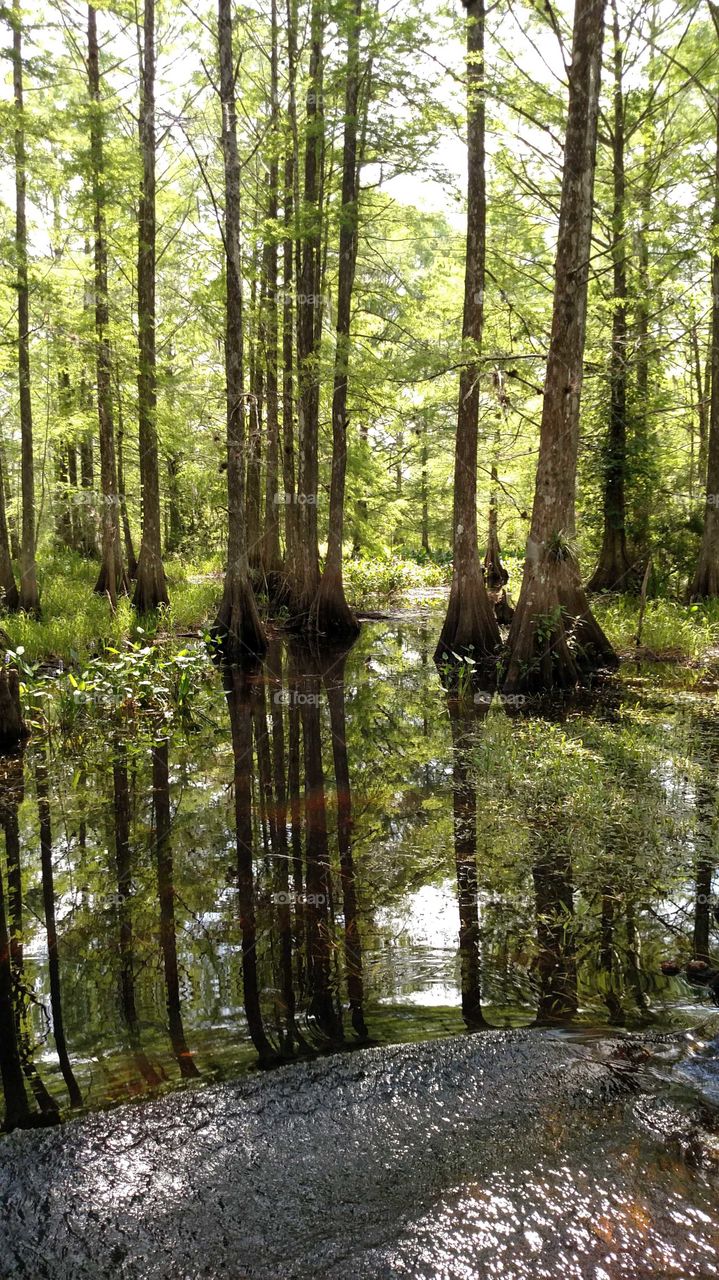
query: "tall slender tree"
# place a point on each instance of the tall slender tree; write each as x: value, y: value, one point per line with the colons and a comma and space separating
x: 553, y: 609
x: 112, y: 577
x: 29, y: 596
x: 8, y: 587
x: 330, y: 614
x: 614, y: 567
x: 271, y: 553
x: 151, y: 587
x: 309, y: 312
x: 470, y: 626
x: 705, y: 583
x: 238, y: 625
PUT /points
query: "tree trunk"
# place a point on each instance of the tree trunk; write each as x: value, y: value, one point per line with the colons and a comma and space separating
x: 12, y: 726
x: 253, y: 486
x: 8, y: 587
x: 464, y: 802
x: 29, y: 597
x: 271, y: 553
x: 701, y: 404
x: 122, y: 496
x: 176, y: 530
x: 166, y: 895
x: 123, y: 866
x: 495, y: 574
x: 281, y: 859
x: 553, y: 607
x: 334, y: 680
x: 12, y: 783
x: 424, y: 485
x: 318, y: 879
x: 239, y: 702
x: 330, y: 615
x: 614, y: 567
x: 289, y: 248
x: 112, y: 578
x: 150, y: 587
x: 556, y: 965
x: 237, y: 626
x: 53, y: 958
x: 309, y: 308
x: 470, y: 627
x: 705, y: 584
x: 17, y: 1111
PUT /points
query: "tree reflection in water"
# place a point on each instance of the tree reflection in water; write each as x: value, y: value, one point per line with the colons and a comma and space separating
x: 194, y: 884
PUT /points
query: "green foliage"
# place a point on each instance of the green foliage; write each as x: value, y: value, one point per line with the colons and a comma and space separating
x: 77, y: 624
x: 669, y: 630
x: 376, y: 582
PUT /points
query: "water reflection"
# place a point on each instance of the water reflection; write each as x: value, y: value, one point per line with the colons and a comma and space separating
x: 333, y: 848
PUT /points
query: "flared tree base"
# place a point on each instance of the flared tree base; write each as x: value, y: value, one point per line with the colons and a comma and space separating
x: 503, y: 611
x: 330, y: 616
x: 614, y: 571
x: 238, y: 629
x: 13, y: 729
x: 150, y: 583
x: 705, y: 584
x: 122, y: 582
x: 555, y: 640
x: 470, y: 628
x: 277, y: 586
x: 9, y: 594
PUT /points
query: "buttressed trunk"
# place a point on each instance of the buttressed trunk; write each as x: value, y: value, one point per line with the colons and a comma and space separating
x: 470, y: 626
x: 554, y: 636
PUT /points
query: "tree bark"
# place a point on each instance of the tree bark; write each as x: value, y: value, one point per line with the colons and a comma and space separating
x: 613, y: 571
x: 309, y: 312
x: 289, y: 276
x: 29, y: 597
x: 166, y: 895
x: 237, y: 626
x: 123, y: 867
x: 17, y: 1111
x: 553, y: 608
x: 334, y: 681
x: 112, y: 578
x: 271, y: 552
x: 238, y: 690
x: 150, y: 586
x: 330, y: 615
x: 53, y: 957
x: 122, y: 496
x: 470, y: 627
x: 495, y: 574
x: 8, y: 587
x: 705, y: 584
x: 464, y: 807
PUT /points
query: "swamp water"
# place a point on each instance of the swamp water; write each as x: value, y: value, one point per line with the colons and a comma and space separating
x: 207, y: 873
